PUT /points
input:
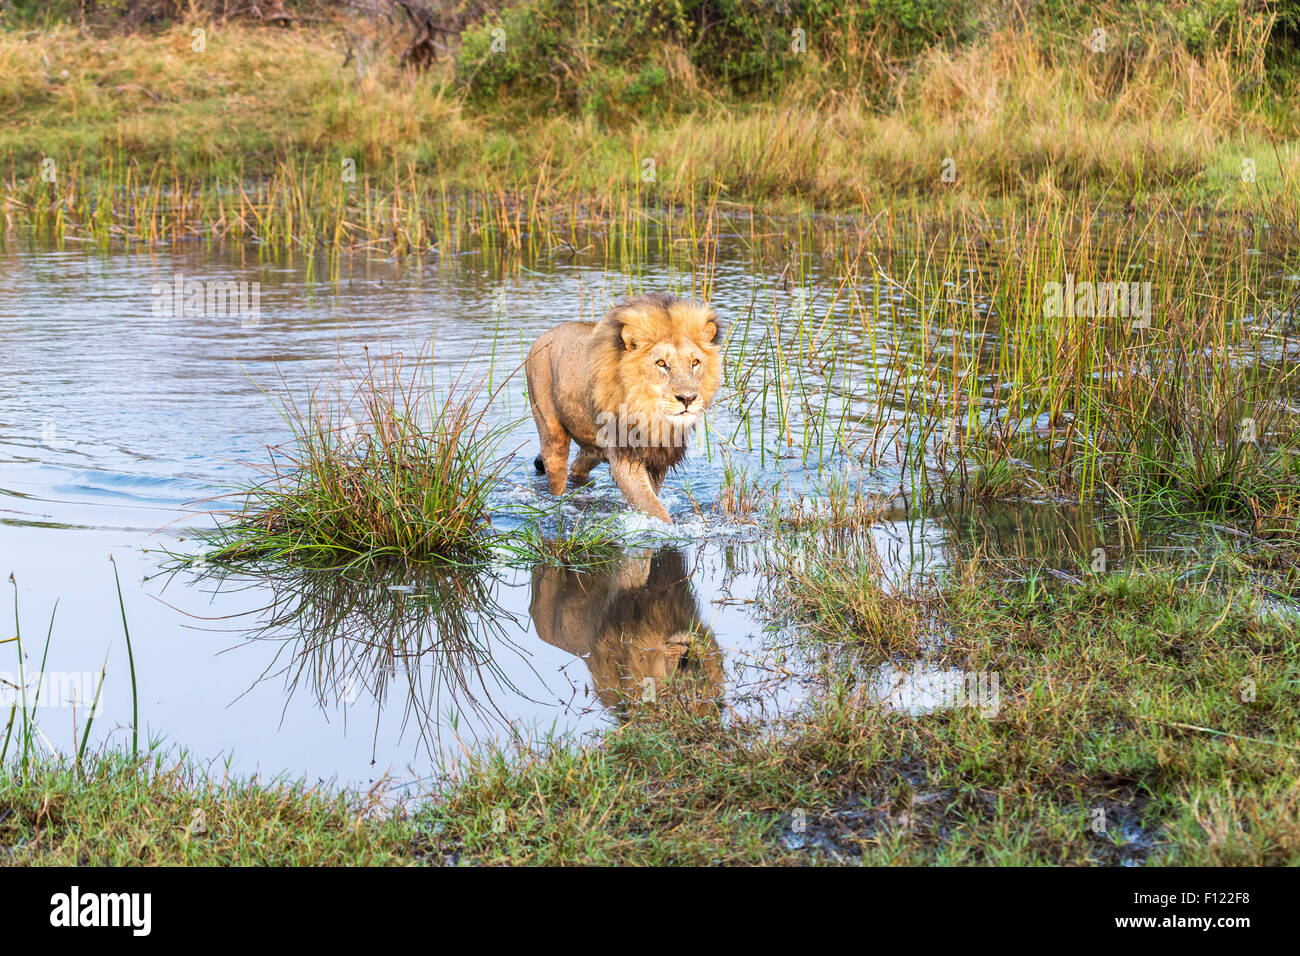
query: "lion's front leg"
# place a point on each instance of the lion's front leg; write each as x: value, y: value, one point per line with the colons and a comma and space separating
x: 634, y: 481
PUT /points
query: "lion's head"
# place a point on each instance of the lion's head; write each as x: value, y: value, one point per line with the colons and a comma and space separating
x: 656, y: 356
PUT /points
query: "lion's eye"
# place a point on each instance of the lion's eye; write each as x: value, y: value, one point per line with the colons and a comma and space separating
x: 661, y: 363
x: 695, y: 364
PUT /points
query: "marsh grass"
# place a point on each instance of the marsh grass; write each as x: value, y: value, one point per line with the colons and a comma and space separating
x: 249, y: 140
x: 923, y: 348
x: 835, y: 505
x: 392, y: 469
x: 742, y: 497
x: 585, y: 541
x: 1194, y: 412
x: 914, y: 353
x: 32, y: 747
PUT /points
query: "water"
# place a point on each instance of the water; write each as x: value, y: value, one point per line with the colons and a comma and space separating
x: 119, y: 424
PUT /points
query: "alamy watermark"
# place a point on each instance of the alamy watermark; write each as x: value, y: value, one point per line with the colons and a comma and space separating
x: 1128, y: 300
x: 193, y: 298
x: 52, y: 689
x: 923, y: 690
x: 131, y: 911
x: 635, y: 429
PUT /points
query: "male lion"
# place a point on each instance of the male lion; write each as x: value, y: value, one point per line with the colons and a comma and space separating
x: 628, y: 389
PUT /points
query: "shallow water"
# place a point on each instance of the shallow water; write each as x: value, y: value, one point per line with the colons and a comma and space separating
x: 118, y: 423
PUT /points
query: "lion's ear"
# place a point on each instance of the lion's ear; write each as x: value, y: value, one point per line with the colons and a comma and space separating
x: 629, y: 338
x: 713, y: 331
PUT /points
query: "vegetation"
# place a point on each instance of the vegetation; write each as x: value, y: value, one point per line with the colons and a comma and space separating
x: 115, y: 811
x: 1143, y: 715
x: 257, y: 133
x: 407, y: 478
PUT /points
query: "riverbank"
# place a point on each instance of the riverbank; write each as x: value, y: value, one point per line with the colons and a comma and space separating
x: 95, y: 121
x: 1141, y: 716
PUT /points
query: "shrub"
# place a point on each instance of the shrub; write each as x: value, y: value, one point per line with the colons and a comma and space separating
x: 611, y: 59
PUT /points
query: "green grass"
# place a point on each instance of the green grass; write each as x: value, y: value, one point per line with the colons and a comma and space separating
x: 114, y: 811
x: 1147, y: 715
x: 1192, y: 413
x: 391, y: 468
x: 582, y: 542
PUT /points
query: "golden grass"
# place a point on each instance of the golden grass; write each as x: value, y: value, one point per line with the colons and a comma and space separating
x: 1014, y: 115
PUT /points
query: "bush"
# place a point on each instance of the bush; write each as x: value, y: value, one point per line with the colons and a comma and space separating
x: 610, y: 59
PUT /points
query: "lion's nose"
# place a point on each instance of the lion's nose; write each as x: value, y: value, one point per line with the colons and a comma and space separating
x: 686, y: 400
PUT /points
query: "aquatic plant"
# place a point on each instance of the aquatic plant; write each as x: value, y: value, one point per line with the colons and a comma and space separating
x: 393, y: 468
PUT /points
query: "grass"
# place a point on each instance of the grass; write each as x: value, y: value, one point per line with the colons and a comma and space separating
x: 117, y: 811
x: 256, y: 137
x: 583, y: 542
x: 931, y: 347
x: 407, y: 478
x: 1143, y: 716
x: 1086, y: 407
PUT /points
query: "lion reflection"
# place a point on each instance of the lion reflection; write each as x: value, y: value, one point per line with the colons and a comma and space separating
x: 637, y: 626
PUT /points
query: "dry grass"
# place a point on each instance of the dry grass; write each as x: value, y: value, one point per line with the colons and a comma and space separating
x: 1014, y: 116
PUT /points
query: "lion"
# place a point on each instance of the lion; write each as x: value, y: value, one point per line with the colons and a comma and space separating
x: 635, y: 623
x: 628, y: 390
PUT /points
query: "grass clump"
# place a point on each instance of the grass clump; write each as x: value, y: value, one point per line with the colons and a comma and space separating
x: 398, y: 470
x: 586, y: 541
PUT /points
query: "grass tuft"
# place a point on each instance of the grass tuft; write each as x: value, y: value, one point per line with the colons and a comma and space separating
x: 396, y: 469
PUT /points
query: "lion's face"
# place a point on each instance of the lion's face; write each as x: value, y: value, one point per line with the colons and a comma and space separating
x: 673, y: 375
x: 668, y: 360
